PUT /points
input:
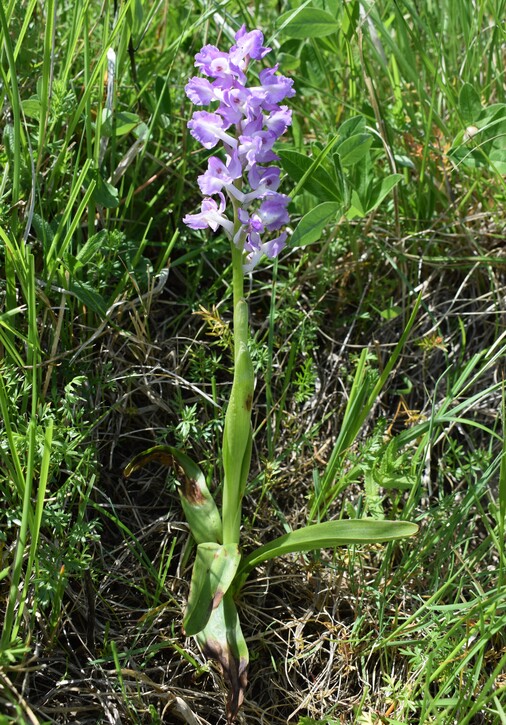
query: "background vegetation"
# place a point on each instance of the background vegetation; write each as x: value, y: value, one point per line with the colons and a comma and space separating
x: 114, y: 331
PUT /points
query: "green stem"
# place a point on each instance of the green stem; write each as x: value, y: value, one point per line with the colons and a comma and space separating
x: 241, y: 331
x: 236, y: 449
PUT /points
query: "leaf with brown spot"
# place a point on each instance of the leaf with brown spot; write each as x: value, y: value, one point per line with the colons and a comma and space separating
x: 213, y: 573
x: 198, y: 504
x: 222, y: 640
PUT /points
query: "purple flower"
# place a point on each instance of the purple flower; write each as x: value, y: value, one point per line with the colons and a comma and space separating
x: 234, y: 104
x: 274, y: 87
x: 209, y: 128
x: 211, y: 215
x: 212, y: 62
x: 255, y: 251
x: 256, y: 148
x: 272, y: 248
x: 273, y: 212
x: 219, y: 175
x: 264, y: 178
x: 200, y: 91
x: 248, y: 120
x: 278, y: 120
x: 249, y: 45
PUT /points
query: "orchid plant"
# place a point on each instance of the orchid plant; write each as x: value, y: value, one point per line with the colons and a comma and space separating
x: 241, y: 198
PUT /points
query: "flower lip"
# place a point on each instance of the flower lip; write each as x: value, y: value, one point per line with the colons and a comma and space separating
x: 219, y: 175
x: 200, y: 91
x: 211, y: 215
x: 209, y: 128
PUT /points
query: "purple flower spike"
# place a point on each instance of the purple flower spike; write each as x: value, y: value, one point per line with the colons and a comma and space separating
x: 248, y: 121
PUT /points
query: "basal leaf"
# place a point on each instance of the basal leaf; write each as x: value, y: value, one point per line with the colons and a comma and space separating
x: 222, y: 640
x: 213, y: 572
x: 327, y: 535
x: 197, y: 502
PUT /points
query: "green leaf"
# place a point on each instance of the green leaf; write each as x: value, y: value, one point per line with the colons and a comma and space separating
x: 352, y: 126
x: 93, y: 245
x: 89, y: 297
x: 354, y: 148
x: 318, y: 182
x: 104, y: 194
x: 469, y: 103
x: 223, y: 640
x: 311, y: 226
x: 381, y: 191
x: 213, y: 572
x: 327, y: 535
x: 197, y: 502
x: 307, y: 23
x: 119, y: 123
x: 356, y: 207
x: 287, y: 61
x: 31, y: 107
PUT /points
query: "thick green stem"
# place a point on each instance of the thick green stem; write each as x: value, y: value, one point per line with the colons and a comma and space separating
x: 241, y: 324
x: 237, y: 432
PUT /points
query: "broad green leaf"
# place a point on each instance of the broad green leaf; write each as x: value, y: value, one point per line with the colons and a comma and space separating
x: 318, y: 182
x: 197, y: 502
x: 469, y: 103
x: 307, y: 23
x: 31, y: 107
x: 311, y: 226
x: 342, y: 181
x: 327, y: 535
x: 92, y: 246
x: 356, y: 207
x: 104, y: 194
x: 386, y: 186
x: 86, y: 294
x: 213, y: 572
x: 223, y: 640
x: 354, y: 148
x: 288, y: 62
x: 352, y: 126
x: 119, y: 123
x: 44, y: 230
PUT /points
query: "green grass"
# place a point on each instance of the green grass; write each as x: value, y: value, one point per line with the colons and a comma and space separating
x: 379, y: 354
